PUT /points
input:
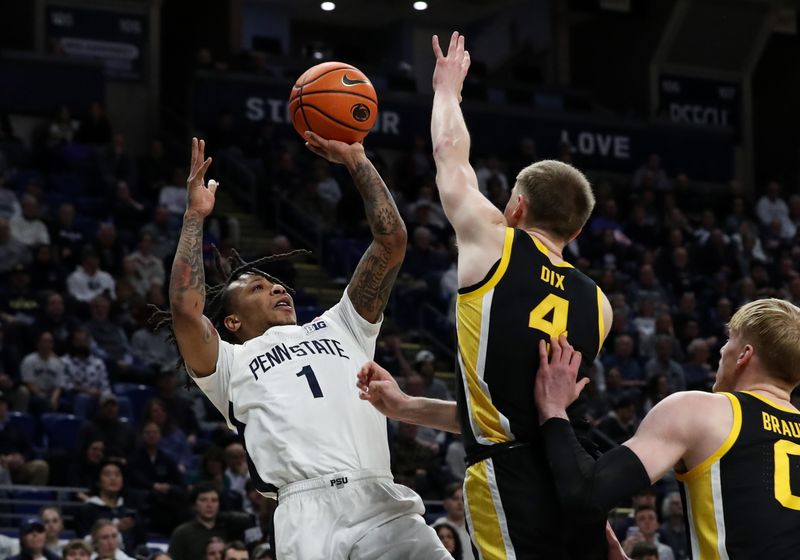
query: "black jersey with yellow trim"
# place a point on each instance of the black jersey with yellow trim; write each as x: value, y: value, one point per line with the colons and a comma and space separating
x: 523, y: 299
x: 744, y: 500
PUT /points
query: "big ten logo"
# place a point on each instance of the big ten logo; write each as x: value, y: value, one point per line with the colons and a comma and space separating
x: 277, y: 111
x: 589, y: 143
x: 315, y: 325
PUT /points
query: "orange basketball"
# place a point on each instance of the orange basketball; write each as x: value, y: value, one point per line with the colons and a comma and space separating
x: 335, y: 100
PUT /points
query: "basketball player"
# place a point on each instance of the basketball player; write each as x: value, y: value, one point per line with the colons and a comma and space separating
x: 736, y: 452
x: 515, y: 289
x: 288, y: 388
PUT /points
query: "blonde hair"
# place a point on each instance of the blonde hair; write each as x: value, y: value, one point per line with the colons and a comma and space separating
x: 558, y: 196
x: 772, y: 327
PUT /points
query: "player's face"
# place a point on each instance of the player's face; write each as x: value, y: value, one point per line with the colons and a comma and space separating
x: 726, y: 370
x: 259, y: 304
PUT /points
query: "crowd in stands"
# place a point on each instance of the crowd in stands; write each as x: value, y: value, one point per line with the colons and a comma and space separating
x: 87, y: 233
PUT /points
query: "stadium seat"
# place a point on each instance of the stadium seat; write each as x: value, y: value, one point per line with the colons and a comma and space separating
x: 61, y: 430
x: 24, y: 422
x: 138, y: 395
x: 28, y: 501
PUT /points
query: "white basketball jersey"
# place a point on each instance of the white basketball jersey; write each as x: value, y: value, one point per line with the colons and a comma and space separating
x: 292, y: 395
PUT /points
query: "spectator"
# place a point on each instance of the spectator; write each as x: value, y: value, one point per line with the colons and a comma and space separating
x: 118, y: 438
x: 180, y: 408
x: 10, y: 547
x: 235, y: 550
x: 663, y: 364
x: 16, y: 452
x: 214, y: 548
x: 236, y: 471
x: 697, y: 371
x: 455, y: 459
x: 43, y: 373
x: 189, y: 540
x: 105, y: 540
x: 77, y: 549
x: 263, y: 552
x: 20, y: 305
x: 624, y: 360
x: 657, y: 389
x: 450, y: 539
x: 88, y: 281
x: 490, y: 168
x: 31, y: 541
x: 85, y: 470
x: 454, y: 506
x: 128, y: 213
x: 165, y: 236
x: 154, y: 472
x: 647, y: 522
x: 46, y: 273
x: 423, y: 259
x: 85, y: 376
x: 651, y: 175
x: 67, y: 238
x: 109, y: 249
x: 673, y: 530
x: 113, y: 345
x: 328, y: 188
x: 173, y: 196
x: 116, y: 162
x: 771, y: 207
x: 154, y: 171
x: 149, y: 268
x: 644, y: 551
x: 26, y: 227
x: 109, y: 500
x: 174, y: 442
x: 424, y: 364
x: 53, y: 527
x: 153, y: 349
x: 13, y: 253
x: 620, y: 424
x: 413, y: 463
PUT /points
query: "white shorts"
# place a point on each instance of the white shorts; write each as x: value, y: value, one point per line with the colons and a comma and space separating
x: 358, y: 515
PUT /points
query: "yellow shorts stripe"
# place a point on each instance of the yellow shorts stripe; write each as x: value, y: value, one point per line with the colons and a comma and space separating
x: 489, y: 533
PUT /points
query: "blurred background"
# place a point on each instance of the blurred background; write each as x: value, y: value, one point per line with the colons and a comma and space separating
x: 683, y: 114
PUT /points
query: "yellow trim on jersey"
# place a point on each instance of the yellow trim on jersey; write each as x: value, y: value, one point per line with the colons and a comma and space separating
x: 486, y: 530
x: 498, y: 274
x: 702, y: 518
x: 723, y: 449
x: 600, y: 320
x: 542, y: 248
x: 469, y: 331
x: 765, y: 400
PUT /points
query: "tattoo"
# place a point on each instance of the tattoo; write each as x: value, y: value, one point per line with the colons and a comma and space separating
x: 377, y: 271
x: 382, y: 214
x: 188, y: 273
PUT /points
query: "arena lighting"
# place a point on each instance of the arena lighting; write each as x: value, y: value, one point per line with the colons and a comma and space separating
x: 327, y: 6
x: 419, y: 6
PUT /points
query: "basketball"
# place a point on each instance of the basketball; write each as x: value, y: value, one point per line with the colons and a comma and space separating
x: 334, y: 100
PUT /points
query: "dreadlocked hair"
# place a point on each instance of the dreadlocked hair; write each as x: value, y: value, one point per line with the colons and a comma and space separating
x: 229, y: 269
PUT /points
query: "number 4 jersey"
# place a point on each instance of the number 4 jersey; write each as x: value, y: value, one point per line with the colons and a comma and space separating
x: 292, y: 395
x: 744, y: 500
x: 523, y: 299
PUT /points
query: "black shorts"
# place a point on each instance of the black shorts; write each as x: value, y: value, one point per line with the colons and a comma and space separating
x: 513, y: 511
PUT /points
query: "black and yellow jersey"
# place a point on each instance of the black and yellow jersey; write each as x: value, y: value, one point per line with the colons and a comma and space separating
x: 744, y: 500
x: 523, y: 299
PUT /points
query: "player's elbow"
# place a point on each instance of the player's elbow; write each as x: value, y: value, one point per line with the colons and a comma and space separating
x: 449, y: 147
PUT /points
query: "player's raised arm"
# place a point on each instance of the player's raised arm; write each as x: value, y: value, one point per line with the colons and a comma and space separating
x: 469, y: 212
x: 197, y: 339
x: 375, y: 274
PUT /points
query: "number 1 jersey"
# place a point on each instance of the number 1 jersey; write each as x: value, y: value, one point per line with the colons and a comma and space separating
x: 291, y: 393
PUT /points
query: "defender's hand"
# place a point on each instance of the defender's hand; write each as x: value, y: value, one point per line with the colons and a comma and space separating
x: 379, y: 388
x: 450, y: 71
x: 556, y: 386
x: 200, y: 199
x: 333, y: 150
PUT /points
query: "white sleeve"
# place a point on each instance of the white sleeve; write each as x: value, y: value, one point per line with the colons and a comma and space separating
x: 216, y: 386
x: 363, y: 332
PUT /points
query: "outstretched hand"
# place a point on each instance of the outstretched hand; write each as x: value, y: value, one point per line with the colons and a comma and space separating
x: 379, y: 388
x: 556, y: 379
x: 451, y: 69
x: 200, y: 198
x: 334, y: 150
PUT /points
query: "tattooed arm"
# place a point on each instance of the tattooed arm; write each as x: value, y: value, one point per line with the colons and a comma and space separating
x: 197, y: 339
x: 376, y: 272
